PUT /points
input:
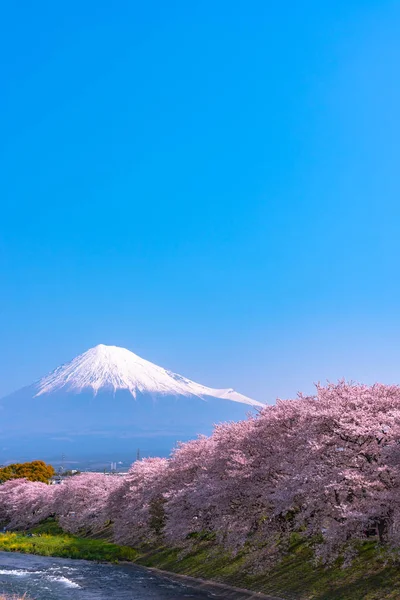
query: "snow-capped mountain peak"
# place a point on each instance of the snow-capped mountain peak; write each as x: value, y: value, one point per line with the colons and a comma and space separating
x: 111, y: 367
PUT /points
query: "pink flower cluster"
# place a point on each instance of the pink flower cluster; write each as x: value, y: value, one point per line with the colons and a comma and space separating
x: 327, y: 466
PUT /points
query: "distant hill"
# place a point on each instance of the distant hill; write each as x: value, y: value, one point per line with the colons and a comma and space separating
x: 108, y: 402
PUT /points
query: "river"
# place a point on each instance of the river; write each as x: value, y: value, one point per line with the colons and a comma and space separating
x: 47, y: 578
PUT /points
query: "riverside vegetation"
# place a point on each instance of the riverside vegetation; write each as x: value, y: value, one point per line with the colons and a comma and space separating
x: 302, y: 501
x: 371, y: 576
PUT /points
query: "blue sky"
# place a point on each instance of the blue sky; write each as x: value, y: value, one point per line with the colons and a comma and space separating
x: 213, y: 185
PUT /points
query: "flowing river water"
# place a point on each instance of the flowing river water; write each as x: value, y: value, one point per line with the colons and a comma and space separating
x: 47, y: 578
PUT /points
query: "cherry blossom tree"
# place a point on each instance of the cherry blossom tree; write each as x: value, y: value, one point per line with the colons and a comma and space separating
x: 24, y: 503
x: 326, y: 466
x: 137, y: 506
x: 340, y: 481
x: 81, y: 503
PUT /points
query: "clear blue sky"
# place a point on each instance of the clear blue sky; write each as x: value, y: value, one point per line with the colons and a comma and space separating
x: 214, y: 185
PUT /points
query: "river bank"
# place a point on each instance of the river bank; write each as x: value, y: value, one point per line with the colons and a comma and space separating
x: 48, y: 578
x: 296, y: 577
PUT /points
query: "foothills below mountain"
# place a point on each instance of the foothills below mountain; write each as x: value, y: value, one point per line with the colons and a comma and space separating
x: 107, y: 403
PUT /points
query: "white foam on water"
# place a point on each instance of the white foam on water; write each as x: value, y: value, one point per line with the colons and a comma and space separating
x: 56, y: 578
x: 18, y: 572
x: 64, y: 580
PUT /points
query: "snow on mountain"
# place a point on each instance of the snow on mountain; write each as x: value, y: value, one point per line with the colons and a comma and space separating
x: 109, y: 401
x: 111, y: 367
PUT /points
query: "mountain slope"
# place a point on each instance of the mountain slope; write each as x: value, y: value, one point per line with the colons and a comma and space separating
x: 107, y: 402
x: 111, y: 367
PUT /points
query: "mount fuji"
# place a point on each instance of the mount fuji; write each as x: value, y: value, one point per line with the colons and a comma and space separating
x: 107, y: 403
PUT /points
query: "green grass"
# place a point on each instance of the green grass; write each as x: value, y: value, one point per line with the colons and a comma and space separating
x: 295, y: 578
x: 370, y: 577
x: 58, y: 543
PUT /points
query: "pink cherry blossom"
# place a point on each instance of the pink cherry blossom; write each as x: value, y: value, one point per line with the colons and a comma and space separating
x: 326, y: 466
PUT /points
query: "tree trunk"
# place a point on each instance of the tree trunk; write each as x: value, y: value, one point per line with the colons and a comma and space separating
x: 383, y: 529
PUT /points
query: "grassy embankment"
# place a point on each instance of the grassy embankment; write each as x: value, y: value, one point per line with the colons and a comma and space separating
x: 370, y: 577
x: 52, y: 541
